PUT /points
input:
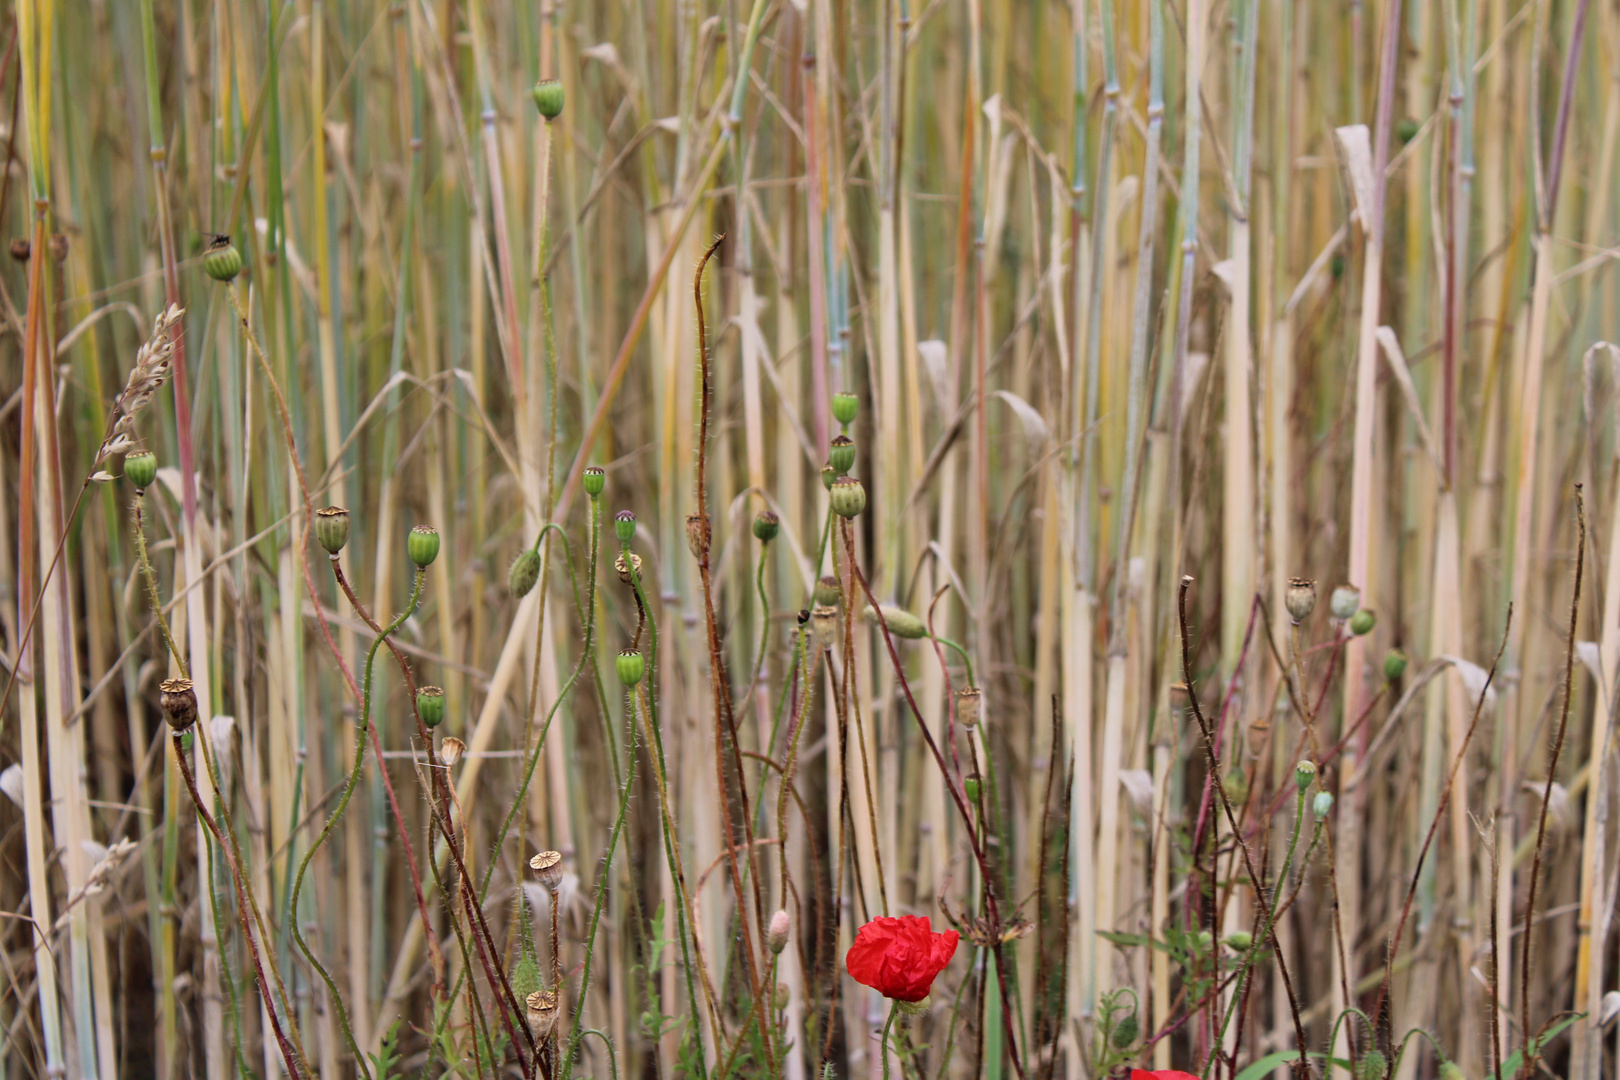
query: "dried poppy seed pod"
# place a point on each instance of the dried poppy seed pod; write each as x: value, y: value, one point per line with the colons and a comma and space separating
x: 548, y: 98
x: 332, y: 528
x: 624, y: 526
x: 430, y: 704
x: 631, y: 666
x: 776, y: 935
x: 1394, y: 665
x: 422, y: 545
x: 21, y: 248
x: 848, y: 497
x: 697, y: 534
x: 524, y: 573
x: 547, y: 866
x: 845, y: 407
x: 541, y: 1010
x: 901, y: 623
x: 626, y: 561
x: 969, y: 704
x: 1300, y: 600
x: 841, y: 456
x: 766, y: 526
x: 1322, y: 805
x: 222, y: 261
x: 827, y: 591
x: 450, y: 751
x: 594, y: 481
x: 1305, y: 774
x: 1362, y: 622
x: 1344, y: 601
x: 179, y: 701
x: 140, y: 469
x: 824, y: 620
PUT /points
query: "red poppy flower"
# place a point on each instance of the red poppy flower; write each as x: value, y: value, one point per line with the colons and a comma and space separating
x: 899, y: 958
x: 1161, y: 1074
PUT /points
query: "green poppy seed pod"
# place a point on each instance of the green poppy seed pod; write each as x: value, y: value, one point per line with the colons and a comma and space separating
x: 828, y: 476
x: 827, y: 594
x: 631, y: 665
x: 548, y: 98
x: 1450, y: 1070
x: 1344, y: 602
x: 1407, y: 130
x: 430, y: 704
x: 1126, y: 1031
x: 766, y: 526
x: 1322, y: 805
x: 140, y: 469
x: 971, y: 787
x: 179, y: 701
x: 594, y: 480
x: 1363, y: 621
x: 845, y: 407
x: 332, y: 528
x: 624, y: 526
x: 1372, y: 1066
x: 842, y: 454
x: 524, y: 573
x: 1305, y: 774
x: 969, y: 707
x: 776, y: 934
x: 1394, y: 665
x: 222, y: 261
x: 848, y: 497
x: 1239, y: 940
x: 901, y: 623
x: 1300, y: 600
x: 1237, y: 787
x: 1336, y: 267
x: 422, y: 545
x: 824, y: 622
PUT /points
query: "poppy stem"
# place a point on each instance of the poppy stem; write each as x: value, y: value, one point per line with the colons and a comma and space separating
x: 883, y: 1047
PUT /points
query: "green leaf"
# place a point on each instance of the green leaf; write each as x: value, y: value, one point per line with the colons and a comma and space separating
x: 1510, y: 1067
x: 1257, y: 1070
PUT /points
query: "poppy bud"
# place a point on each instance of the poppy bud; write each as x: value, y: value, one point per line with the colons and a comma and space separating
x: 1126, y: 1031
x: 697, y: 534
x: 450, y: 751
x: 1394, y: 665
x: 1205, y: 940
x: 766, y: 526
x: 1305, y: 774
x: 842, y: 455
x: 824, y: 620
x: 332, y: 528
x: 776, y: 935
x: 1372, y: 1066
x: 430, y: 704
x: 1239, y: 940
x: 1300, y: 600
x: 179, y: 701
x: 901, y: 623
x: 848, y: 497
x: 594, y: 481
x: 845, y: 408
x: 1362, y: 622
x: 628, y: 564
x: 624, y: 526
x: 827, y: 477
x: 525, y: 571
x: 968, y: 705
x: 541, y: 1010
x: 827, y: 591
x: 1322, y: 805
x: 547, y: 865
x: 140, y: 469
x: 1237, y: 787
x: 632, y: 665
x: 548, y: 98
x: 1344, y: 602
x: 1450, y: 1070
x: 422, y: 545
x: 222, y: 261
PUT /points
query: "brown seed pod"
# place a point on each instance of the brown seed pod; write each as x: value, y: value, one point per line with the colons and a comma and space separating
x: 542, y: 1013
x: 179, y: 702
x: 624, y: 567
x: 548, y: 866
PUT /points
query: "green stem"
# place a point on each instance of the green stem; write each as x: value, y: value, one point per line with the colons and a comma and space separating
x: 151, y: 585
x: 883, y: 1048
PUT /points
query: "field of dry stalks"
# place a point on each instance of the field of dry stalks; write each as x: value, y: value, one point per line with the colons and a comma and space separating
x: 527, y: 526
